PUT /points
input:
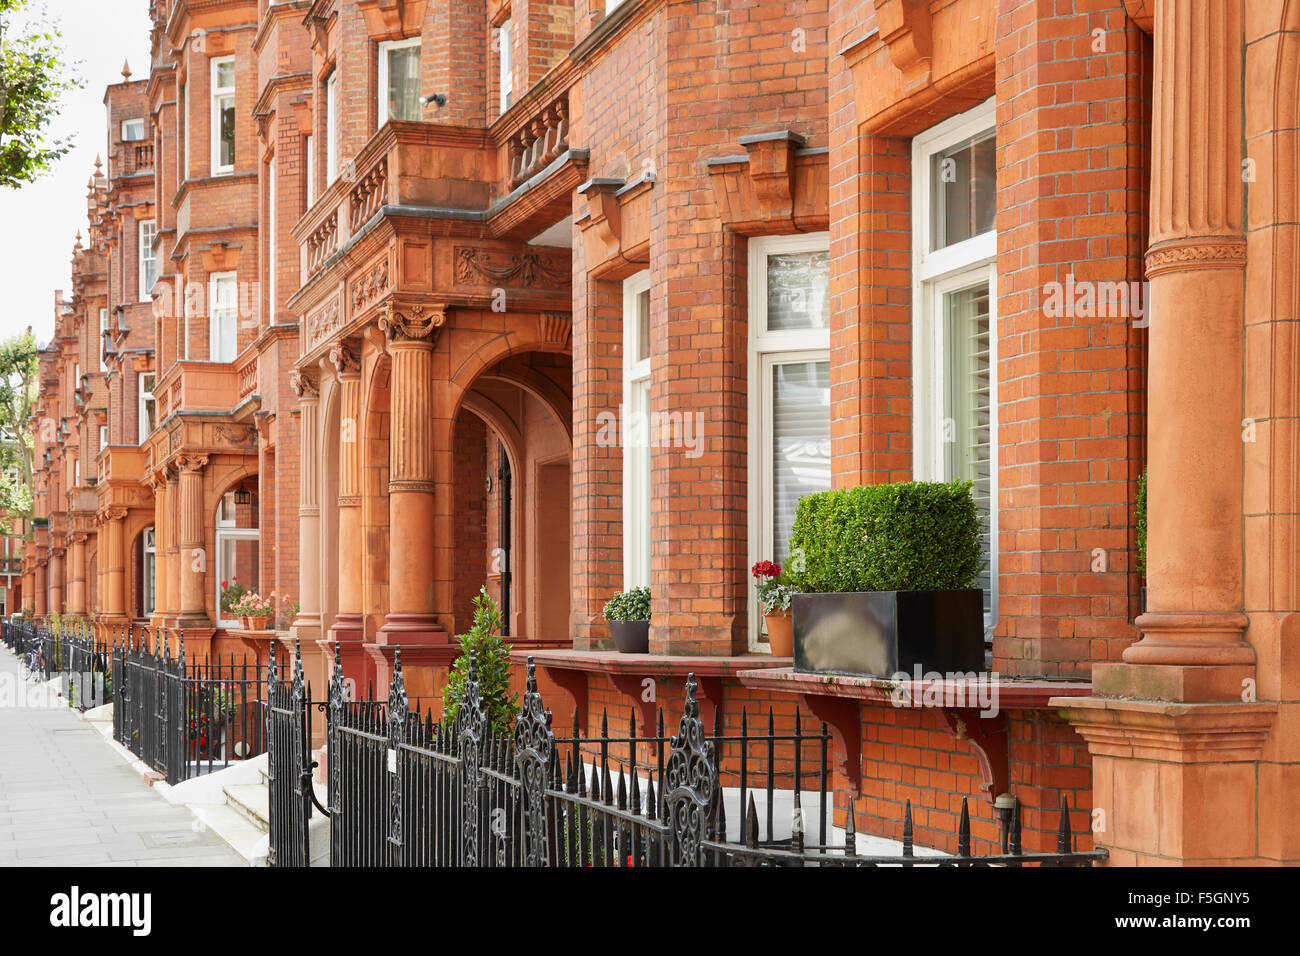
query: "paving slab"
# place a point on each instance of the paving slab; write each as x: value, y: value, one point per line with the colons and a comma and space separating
x: 67, y: 799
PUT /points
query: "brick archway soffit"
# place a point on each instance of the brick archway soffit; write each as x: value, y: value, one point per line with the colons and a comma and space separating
x: 228, y: 481
x: 541, y: 388
x: 499, y: 420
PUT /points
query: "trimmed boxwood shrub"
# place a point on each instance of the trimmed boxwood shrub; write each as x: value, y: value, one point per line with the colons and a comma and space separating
x: 911, y: 536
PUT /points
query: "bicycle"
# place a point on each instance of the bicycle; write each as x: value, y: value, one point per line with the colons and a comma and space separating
x: 35, y: 661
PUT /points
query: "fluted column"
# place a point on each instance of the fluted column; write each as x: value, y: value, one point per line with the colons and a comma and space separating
x: 412, y: 333
x: 41, y: 597
x: 172, y: 520
x: 194, y: 558
x: 56, y: 580
x: 307, y: 388
x: 77, y: 576
x: 114, y: 562
x: 161, y: 540
x: 347, y: 364
x: 1196, y: 268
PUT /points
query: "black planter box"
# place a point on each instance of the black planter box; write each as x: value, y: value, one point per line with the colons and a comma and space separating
x: 880, y: 633
x: 630, y: 637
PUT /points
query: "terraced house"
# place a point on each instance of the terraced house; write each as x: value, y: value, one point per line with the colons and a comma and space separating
x: 384, y: 301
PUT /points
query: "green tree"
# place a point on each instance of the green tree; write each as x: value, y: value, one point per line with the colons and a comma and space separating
x: 19, y: 371
x: 492, y: 666
x: 33, y: 76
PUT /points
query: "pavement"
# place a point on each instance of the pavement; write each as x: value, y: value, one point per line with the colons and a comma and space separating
x: 67, y: 798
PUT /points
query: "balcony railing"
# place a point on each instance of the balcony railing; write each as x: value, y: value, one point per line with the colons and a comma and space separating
x: 540, y: 141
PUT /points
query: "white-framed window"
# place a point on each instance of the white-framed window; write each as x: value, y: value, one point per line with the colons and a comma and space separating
x: 132, y: 130
x: 148, y: 260
x: 103, y: 340
x: 399, y: 80
x: 954, y: 317
x: 149, y: 564
x: 223, y: 315
x: 223, y: 115
x: 103, y: 438
x: 76, y: 472
x: 505, y: 65
x: 611, y: 6
x: 789, y: 392
x: 237, y: 542
x: 148, y: 410
x: 331, y: 128
x: 635, y: 430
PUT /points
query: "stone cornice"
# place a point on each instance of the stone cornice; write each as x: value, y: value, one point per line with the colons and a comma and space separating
x: 1170, y: 732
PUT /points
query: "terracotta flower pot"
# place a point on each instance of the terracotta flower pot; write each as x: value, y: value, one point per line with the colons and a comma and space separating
x: 780, y: 633
x: 259, y: 623
x: 245, y: 623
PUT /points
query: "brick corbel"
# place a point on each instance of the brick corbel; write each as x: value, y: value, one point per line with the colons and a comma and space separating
x: 771, y: 170
x: 302, y: 113
x: 603, y: 211
x: 220, y: 257
x: 905, y: 27
x: 392, y: 19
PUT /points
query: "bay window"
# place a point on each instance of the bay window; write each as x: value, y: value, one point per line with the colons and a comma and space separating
x: 635, y: 430
x: 148, y: 410
x: 223, y: 115
x: 789, y: 392
x: 223, y: 316
x: 132, y: 130
x: 954, y: 181
x: 399, y: 80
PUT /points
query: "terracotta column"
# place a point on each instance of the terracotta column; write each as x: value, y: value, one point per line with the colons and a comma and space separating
x: 40, y: 596
x: 347, y: 363
x: 307, y: 388
x: 193, y: 546
x: 56, y: 581
x: 114, y: 563
x: 172, y: 520
x: 412, y: 332
x: 161, y: 539
x: 77, y: 576
x: 1193, y: 631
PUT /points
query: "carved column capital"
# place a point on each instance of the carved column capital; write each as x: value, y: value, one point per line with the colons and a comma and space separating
x: 192, y: 464
x: 414, y: 323
x: 305, y: 384
x: 346, y: 358
x: 114, y: 513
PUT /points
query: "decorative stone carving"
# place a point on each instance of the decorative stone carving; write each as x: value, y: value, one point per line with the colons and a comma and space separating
x: 345, y: 358
x: 237, y: 435
x: 322, y: 322
x: 557, y: 329
x: 412, y: 323
x: 193, y: 464
x: 475, y: 266
x: 369, y: 286
x: 304, y: 384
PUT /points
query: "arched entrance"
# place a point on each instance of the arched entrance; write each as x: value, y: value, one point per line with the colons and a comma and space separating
x: 513, y: 463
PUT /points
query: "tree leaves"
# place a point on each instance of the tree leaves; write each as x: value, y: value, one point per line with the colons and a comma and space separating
x: 33, y: 77
x: 19, y: 368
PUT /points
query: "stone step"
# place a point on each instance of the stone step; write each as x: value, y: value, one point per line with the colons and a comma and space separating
x: 245, y: 838
x: 253, y: 801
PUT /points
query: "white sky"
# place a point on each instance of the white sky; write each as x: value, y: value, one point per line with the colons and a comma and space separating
x: 38, y: 223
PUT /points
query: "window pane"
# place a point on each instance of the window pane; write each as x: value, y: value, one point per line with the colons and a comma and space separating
x: 404, y: 83
x: 963, y: 180
x: 227, y: 106
x: 968, y: 453
x: 797, y: 283
x: 801, y: 442
x: 237, y: 567
x: 224, y: 313
x: 226, y: 75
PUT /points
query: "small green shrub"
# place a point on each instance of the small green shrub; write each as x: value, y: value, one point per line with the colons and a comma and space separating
x: 910, y: 536
x: 1141, y: 515
x: 491, y: 664
x: 633, y: 605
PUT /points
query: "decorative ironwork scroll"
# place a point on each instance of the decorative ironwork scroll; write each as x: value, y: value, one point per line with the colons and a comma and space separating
x: 691, y: 784
x: 534, y: 753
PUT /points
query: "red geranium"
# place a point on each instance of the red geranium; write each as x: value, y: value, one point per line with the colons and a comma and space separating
x: 766, y: 569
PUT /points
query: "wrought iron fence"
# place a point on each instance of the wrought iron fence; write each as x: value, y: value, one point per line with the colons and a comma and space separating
x: 406, y: 791
x: 184, y: 718
x: 68, y: 652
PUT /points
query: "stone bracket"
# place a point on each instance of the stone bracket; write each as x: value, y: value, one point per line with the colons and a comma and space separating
x: 906, y: 28
x: 990, y: 740
x: 575, y: 683
x: 843, y: 715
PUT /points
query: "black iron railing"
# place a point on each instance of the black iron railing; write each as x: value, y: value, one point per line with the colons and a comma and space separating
x: 67, y: 652
x: 406, y: 791
x: 185, y: 718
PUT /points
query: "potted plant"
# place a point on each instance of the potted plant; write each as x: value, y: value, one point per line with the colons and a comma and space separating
x: 232, y: 595
x: 492, y: 668
x: 628, y: 613
x: 258, y: 609
x: 1141, y: 515
x: 886, y: 576
x: 774, y: 593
